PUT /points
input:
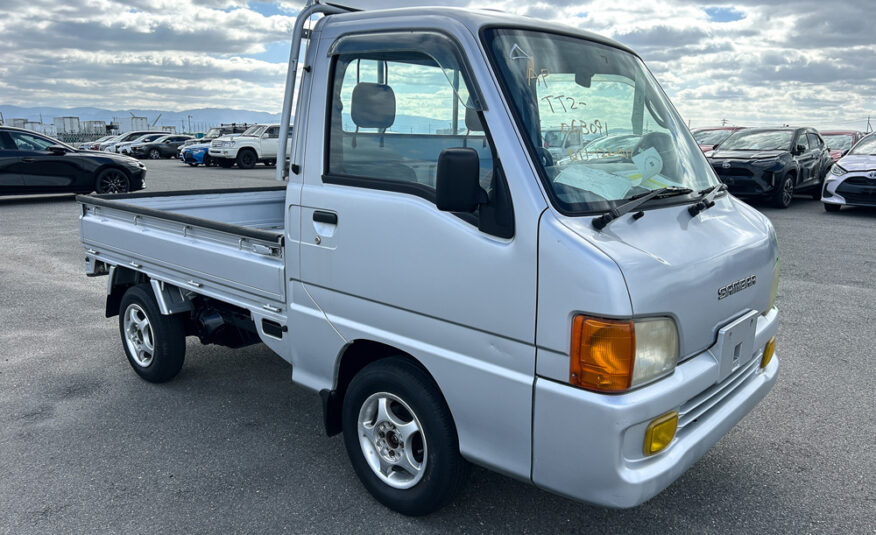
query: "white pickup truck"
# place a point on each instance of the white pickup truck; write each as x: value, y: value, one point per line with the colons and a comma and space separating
x: 453, y: 295
x: 257, y: 144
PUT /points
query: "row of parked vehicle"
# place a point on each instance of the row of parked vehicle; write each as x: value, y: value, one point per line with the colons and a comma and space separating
x: 256, y: 144
x: 836, y: 167
x: 140, y: 144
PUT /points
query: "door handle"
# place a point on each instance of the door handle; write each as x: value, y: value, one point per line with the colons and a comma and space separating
x: 28, y: 160
x: 321, y: 216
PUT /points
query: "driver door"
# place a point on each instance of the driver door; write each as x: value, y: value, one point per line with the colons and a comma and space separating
x: 40, y: 169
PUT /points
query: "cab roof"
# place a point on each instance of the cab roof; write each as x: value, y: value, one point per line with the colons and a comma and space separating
x: 474, y: 19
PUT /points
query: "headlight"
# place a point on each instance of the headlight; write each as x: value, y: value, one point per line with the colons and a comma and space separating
x: 613, y: 355
x: 766, y: 162
x: 837, y: 170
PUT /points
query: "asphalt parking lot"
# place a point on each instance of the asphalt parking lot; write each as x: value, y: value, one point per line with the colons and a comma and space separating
x: 232, y: 446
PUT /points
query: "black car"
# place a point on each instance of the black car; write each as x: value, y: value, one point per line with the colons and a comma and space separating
x: 163, y: 147
x: 34, y: 163
x: 772, y: 163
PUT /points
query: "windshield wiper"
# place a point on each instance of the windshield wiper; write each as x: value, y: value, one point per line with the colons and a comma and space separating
x: 634, y: 202
x: 707, y: 200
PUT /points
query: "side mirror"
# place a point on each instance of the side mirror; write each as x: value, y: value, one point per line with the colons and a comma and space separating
x: 57, y: 149
x: 457, y: 186
x: 799, y: 149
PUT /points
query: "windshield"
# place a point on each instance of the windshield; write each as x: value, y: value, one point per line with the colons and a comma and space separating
x: 711, y: 137
x: 254, y: 131
x: 759, y: 140
x: 865, y: 146
x: 839, y: 141
x: 571, y: 84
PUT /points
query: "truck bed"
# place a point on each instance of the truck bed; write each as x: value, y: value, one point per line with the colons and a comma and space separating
x: 226, y: 244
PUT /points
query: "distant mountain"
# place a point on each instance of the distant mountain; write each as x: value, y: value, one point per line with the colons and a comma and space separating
x: 201, y: 119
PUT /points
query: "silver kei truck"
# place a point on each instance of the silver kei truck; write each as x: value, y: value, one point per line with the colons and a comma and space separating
x: 453, y: 293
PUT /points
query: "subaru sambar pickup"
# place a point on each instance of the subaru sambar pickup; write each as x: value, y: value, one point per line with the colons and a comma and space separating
x: 453, y: 294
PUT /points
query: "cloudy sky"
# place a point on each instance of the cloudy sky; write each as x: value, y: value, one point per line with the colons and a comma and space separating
x: 750, y: 62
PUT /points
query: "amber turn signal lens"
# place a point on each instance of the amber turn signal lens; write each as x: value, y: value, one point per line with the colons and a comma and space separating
x: 660, y: 432
x: 768, y: 351
x: 602, y: 354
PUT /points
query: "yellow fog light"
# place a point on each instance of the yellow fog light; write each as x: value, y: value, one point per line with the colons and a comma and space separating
x: 768, y: 351
x: 660, y: 432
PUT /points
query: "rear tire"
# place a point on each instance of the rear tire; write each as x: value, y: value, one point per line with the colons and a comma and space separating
x: 154, y: 344
x: 832, y: 207
x: 401, y: 438
x: 785, y: 193
x: 246, y: 159
x: 270, y: 163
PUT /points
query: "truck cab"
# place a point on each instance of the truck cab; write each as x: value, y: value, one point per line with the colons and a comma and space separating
x: 453, y: 293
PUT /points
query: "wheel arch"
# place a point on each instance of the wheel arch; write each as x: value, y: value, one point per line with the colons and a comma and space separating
x: 351, y: 359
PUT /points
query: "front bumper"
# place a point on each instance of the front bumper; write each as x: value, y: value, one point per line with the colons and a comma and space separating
x: 853, y: 189
x: 223, y: 153
x: 588, y: 446
x: 746, y: 180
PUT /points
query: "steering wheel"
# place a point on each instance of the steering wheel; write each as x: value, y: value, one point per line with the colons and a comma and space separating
x: 545, y: 156
x: 665, y: 147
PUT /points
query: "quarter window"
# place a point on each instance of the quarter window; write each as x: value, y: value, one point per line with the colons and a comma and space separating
x: 814, y: 141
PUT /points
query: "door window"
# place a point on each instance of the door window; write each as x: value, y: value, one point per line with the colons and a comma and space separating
x: 814, y: 141
x: 393, y: 114
x: 29, y: 142
x: 802, y: 141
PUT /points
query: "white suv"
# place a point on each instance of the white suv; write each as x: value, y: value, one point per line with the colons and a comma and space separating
x: 256, y: 144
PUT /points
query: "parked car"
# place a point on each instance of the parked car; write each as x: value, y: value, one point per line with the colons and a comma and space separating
x: 839, y: 142
x: 773, y: 163
x: 125, y: 148
x: 710, y: 136
x: 561, y: 143
x: 162, y: 147
x: 112, y: 145
x: 34, y: 163
x: 577, y: 329
x: 852, y: 180
x: 95, y: 145
x: 218, y: 131
x: 197, y: 153
x: 257, y: 144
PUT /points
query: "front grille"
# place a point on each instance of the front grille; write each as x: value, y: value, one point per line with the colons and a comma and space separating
x: 712, y: 397
x: 858, y: 190
x: 734, y: 172
x: 860, y: 181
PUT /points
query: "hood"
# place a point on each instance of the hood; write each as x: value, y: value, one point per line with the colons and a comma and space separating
x: 858, y: 162
x: 674, y: 264
x: 747, y: 154
x: 118, y: 158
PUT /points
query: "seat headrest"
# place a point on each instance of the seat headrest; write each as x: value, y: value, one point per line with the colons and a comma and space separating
x: 473, y: 121
x: 373, y: 105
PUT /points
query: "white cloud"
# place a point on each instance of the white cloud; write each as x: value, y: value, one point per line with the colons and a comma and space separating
x: 801, y: 61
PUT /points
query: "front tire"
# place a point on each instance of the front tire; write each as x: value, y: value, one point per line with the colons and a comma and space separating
x: 208, y: 161
x: 401, y: 438
x: 154, y: 154
x: 112, y: 181
x: 154, y: 344
x: 785, y: 193
x: 246, y: 159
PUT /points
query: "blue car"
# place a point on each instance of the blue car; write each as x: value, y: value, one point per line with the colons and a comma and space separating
x: 196, y: 153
